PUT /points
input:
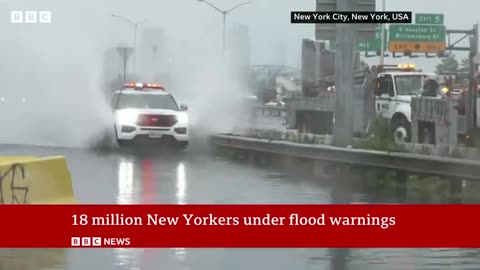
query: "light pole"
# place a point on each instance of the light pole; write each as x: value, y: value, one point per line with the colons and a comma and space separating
x: 382, y: 36
x: 135, y: 26
x: 224, y: 13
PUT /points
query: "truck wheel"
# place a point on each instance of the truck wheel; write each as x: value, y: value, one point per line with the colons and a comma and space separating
x: 427, y: 136
x: 401, y: 130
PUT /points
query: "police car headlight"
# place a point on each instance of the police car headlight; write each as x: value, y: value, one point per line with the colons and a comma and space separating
x: 182, y: 118
x: 126, y: 117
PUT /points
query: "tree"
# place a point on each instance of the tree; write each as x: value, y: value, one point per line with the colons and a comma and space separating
x: 464, y: 65
x: 448, y: 64
x: 464, y: 71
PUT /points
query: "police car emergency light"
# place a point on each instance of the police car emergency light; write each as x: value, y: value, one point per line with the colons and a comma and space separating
x: 144, y: 86
x: 398, y: 68
x: 407, y: 66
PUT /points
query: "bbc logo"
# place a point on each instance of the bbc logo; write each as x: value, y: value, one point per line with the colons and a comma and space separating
x: 31, y: 17
x: 86, y: 242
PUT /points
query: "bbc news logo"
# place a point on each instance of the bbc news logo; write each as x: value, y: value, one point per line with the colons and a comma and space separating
x: 86, y: 241
x: 31, y: 17
x: 98, y: 241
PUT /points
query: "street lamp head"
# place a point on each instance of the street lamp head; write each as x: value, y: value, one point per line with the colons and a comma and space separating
x: 237, y: 6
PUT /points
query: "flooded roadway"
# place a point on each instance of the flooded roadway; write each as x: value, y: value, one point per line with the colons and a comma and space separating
x: 190, y: 178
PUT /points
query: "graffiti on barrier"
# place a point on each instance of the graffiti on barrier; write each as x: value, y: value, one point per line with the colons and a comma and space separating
x: 13, y: 186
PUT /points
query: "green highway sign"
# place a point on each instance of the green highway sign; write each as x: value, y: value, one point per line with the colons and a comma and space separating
x: 370, y: 45
x: 424, y: 18
x: 376, y: 44
x: 417, y: 33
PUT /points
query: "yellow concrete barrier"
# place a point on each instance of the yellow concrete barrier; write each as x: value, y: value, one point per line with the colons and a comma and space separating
x: 15, y: 158
x: 30, y: 180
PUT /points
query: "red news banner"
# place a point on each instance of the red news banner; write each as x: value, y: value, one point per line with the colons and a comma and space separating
x: 240, y: 226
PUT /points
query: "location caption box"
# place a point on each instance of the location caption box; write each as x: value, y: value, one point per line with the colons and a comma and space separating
x: 353, y: 17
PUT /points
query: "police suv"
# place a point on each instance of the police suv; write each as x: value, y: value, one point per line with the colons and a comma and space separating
x: 148, y: 113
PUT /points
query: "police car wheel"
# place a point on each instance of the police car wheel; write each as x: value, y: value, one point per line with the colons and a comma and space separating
x: 122, y: 143
x: 401, y: 131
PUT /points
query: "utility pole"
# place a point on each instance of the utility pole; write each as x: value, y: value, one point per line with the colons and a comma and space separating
x: 124, y: 53
x: 223, y: 36
x: 224, y: 14
x: 125, y: 66
x: 135, y: 26
x: 473, y: 70
x: 382, y: 36
x: 344, y: 77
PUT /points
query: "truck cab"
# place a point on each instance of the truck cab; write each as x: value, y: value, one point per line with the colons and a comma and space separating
x: 395, y: 88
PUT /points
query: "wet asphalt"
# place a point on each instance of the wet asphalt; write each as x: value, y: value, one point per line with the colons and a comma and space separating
x: 195, y: 176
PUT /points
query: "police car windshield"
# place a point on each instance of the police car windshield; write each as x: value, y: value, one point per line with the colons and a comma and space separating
x: 409, y: 85
x: 136, y: 101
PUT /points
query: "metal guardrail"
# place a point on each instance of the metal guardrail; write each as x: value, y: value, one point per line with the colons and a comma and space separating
x: 439, y: 112
x: 324, y: 102
x: 408, y: 162
x: 270, y: 107
x: 277, y: 110
x: 431, y: 109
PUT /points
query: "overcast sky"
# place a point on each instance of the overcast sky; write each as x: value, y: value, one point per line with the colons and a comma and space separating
x: 196, y: 22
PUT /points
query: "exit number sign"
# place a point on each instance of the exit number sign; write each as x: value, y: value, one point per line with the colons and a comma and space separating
x: 424, y: 18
